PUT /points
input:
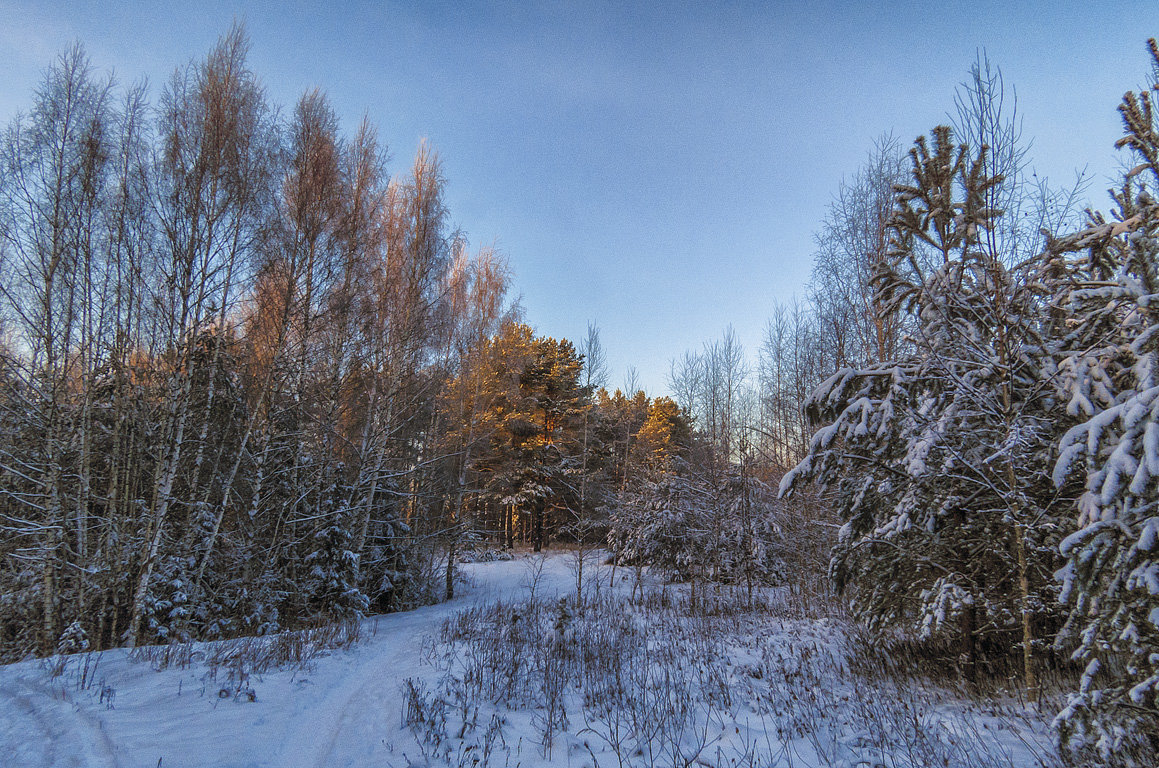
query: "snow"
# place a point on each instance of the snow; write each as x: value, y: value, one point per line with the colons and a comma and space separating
x: 345, y: 708
x: 343, y: 711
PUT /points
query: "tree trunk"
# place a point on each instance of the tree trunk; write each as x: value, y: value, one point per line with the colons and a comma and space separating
x: 1031, y: 678
x: 1016, y: 513
x: 968, y: 650
x: 161, y: 512
x: 451, y: 551
x: 508, y: 534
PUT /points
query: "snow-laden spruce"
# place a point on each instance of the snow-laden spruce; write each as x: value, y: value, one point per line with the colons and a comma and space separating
x: 939, y: 460
x: 1111, y: 578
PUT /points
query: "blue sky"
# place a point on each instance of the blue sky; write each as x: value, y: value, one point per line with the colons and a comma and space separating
x: 659, y: 169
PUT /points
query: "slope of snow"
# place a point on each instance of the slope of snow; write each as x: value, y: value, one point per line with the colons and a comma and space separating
x: 344, y: 708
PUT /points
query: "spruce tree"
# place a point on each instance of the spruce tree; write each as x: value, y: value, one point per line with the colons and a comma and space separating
x: 1111, y: 373
x: 939, y: 459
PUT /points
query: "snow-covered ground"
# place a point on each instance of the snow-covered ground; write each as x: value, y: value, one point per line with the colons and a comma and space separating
x: 344, y: 709
x: 347, y: 707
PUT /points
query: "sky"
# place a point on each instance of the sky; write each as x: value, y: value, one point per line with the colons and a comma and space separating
x: 658, y: 169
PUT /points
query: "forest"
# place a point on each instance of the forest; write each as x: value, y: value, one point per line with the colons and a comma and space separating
x: 253, y: 380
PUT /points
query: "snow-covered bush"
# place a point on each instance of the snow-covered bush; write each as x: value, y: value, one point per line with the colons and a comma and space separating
x: 332, y: 577
x: 487, y: 555
x: 679, y: 521
x: 330, y: 586
x: 663, y: 521
x: 73, y: 639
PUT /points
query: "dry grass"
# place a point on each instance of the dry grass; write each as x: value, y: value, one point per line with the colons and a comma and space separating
x: 712, y: 677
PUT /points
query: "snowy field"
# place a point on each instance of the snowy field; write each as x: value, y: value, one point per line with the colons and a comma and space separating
x: 431, y: 687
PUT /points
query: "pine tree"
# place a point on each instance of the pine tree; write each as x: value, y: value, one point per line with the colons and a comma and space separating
x: 330, y: 586
x: 939, y: 459
x: 1111, y: 370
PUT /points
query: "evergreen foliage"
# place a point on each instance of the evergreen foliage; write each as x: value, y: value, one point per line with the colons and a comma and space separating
x: 939, y: 459
x: 1111, y: 578
x: 675, y: 516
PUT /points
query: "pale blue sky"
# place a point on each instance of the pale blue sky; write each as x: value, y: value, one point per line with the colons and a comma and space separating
x: 657, y: 168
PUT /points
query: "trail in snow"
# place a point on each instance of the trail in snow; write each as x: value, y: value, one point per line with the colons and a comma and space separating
x: 359, y: 721
x: 345, y: 710
x: 42, y: 725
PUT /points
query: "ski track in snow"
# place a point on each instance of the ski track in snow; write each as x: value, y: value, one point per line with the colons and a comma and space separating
x: 45, y: 727
x: 360, y: 721
x: 346, y: 717
x: 345, y: 710
x: 23, y: 730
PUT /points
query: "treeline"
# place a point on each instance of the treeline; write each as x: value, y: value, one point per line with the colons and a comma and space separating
x: 251, y: 381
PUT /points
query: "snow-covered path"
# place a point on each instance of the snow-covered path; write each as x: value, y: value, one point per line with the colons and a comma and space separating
x: 359, y: 719
x: 41, y: 726
x: 344, y: 711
